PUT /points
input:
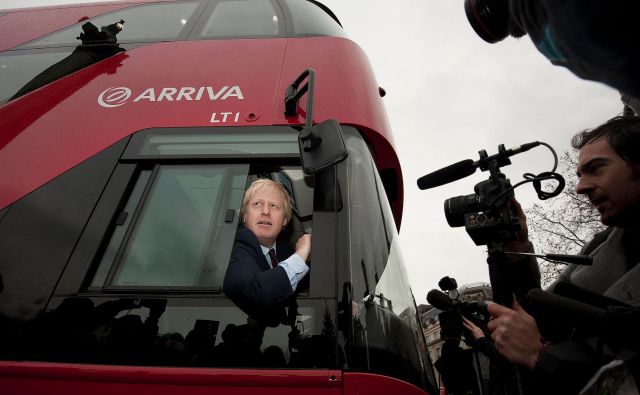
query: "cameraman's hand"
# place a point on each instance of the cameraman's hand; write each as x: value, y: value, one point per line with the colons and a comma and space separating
x: 515, y: 334
x: 521, y: 243
x: 476, y: 332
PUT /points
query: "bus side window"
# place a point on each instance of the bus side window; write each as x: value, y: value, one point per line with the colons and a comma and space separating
x: 242, y: 19
x: 148, y: 22
x: 176, y: 229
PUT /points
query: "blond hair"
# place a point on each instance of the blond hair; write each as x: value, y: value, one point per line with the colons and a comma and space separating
x: 262, y: 183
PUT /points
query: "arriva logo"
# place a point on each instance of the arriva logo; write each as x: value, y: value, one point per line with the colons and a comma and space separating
x: 117, y: 96
x: 114, y: 97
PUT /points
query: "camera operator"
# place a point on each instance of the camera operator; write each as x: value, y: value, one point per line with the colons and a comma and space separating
x: 609, y: 172
x: 596, y: 40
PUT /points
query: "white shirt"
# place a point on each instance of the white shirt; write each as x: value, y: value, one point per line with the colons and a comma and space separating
x: 294, y: 266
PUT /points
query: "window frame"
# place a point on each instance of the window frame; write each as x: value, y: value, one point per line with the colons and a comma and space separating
x: 83, y: 264
x: 367, y: 330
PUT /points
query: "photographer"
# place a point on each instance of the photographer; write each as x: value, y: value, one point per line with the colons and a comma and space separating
x: 596, y: 40
x: 609, y: 172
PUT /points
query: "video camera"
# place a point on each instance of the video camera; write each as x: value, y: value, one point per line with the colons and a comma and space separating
x: 485, y: 214
x: 453, y: 309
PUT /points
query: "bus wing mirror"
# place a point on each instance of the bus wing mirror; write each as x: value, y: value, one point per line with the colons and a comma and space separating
x: 321, y: 146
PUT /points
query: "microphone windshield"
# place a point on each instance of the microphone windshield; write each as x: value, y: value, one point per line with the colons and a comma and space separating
x: 545, y: 305
x: 572, y: 291
x: 447, y: 174
x: 439, y: 300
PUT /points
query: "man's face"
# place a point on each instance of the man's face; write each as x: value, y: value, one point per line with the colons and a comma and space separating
x: 611, y: 184
x: 264, y: 215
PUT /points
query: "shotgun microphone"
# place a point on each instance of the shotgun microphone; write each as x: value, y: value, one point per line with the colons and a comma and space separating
x: 439, y: 300
x: 447, y: 174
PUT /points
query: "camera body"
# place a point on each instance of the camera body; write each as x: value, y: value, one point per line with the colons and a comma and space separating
x: 485, y: 214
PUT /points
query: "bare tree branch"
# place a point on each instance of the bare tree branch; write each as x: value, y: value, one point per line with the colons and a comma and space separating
x: 565, y: 223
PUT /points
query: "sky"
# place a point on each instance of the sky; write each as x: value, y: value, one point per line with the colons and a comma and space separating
x: 450, y: 95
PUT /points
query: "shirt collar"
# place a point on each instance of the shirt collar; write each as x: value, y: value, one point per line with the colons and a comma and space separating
x: 265, y: 250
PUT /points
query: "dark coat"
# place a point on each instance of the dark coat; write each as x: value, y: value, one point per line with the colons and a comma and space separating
x: 571, y: 361
x: 250, y: 281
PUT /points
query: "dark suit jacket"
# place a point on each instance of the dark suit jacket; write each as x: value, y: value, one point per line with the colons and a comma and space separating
x: 250, y: 281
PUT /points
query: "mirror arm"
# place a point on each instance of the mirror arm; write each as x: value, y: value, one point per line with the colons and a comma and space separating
x: 292, y: 96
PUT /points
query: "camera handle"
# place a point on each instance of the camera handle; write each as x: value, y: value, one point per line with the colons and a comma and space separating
x: 511, y: 376
x: 498, y: 274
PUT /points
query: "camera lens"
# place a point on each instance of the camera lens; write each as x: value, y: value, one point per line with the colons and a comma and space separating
x: 488, y: 18
x: 456, y: 207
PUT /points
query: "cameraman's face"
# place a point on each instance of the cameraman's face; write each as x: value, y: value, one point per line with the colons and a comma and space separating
x: 611, y: 183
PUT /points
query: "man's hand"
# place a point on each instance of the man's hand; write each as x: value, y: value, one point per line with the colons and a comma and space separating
x: 515, y: 334
x: 303, y: 247
x: 476, y: 332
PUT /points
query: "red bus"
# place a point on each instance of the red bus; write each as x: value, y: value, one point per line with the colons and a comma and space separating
x: 128, y: 134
